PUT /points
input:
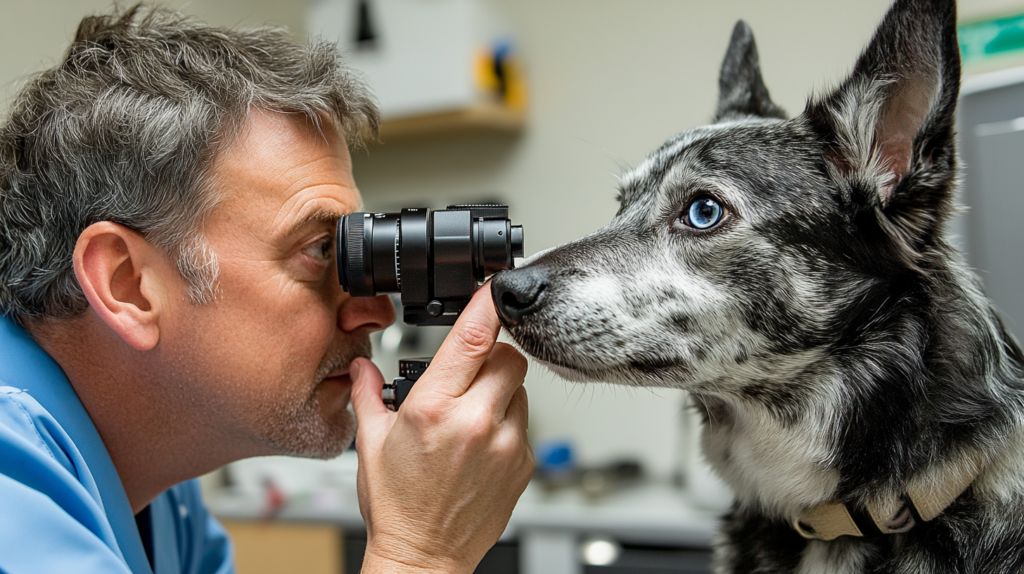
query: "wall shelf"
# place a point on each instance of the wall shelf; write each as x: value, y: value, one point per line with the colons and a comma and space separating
x: 483, y: 118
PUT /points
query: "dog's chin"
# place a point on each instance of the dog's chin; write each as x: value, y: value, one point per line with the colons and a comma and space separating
x: 578, y: 367
x: 570, y: 374
x: 619, y: 374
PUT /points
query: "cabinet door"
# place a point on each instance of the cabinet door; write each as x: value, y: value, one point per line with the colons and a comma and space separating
x: 997, y: 216
x: 284, y: 548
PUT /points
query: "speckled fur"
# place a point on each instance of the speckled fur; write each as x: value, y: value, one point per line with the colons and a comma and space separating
x: 836, y: 345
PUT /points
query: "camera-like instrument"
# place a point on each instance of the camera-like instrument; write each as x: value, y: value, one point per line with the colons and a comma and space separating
x: 435, y: 259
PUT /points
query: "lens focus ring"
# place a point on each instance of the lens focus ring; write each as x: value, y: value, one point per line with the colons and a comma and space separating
x: 357, y: 256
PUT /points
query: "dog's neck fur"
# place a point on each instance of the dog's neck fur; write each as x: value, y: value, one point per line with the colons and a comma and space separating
x: 967, y: 366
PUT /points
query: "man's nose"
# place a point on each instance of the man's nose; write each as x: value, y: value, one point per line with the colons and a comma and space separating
x: 366, y: 313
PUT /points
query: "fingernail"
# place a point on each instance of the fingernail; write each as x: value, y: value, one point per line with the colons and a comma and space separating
x: 354, y: 370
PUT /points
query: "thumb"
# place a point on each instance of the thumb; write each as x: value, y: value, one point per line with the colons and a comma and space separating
x: 467, y: 346
x: 373, y: 417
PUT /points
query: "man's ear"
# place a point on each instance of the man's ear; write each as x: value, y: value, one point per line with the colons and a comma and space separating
x: 123, y: 278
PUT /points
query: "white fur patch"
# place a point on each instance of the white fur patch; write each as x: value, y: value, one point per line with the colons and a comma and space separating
x: 1003, y: 477
x: 782, y: 469
x: 833, y: 558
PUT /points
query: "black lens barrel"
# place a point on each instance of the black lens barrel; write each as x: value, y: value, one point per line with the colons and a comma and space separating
x: 384, y: 239
x: 453, y: 271
x: 435, y: 259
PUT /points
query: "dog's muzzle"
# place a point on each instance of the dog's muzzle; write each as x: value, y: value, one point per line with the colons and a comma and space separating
x: 518, y: 293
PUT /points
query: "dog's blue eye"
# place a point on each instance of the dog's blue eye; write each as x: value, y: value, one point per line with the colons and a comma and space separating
x: 704, y: 213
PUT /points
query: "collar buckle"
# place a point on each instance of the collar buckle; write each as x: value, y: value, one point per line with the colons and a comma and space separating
x: 923, y: 502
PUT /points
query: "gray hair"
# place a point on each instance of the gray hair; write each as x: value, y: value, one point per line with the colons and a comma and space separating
x: 126, y: 128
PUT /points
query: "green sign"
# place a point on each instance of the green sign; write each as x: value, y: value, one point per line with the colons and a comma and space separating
x: 990, y: 38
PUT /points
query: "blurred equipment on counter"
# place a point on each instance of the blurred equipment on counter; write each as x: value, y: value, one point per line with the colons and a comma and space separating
x: 557, y: 469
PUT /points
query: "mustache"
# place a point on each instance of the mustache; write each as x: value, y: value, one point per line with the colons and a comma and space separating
x: 340, y: 358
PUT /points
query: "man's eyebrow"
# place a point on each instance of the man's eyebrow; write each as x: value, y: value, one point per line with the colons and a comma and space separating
x: 318, y: 215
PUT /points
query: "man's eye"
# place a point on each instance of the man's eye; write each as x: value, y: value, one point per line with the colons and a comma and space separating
x: 320, y: 249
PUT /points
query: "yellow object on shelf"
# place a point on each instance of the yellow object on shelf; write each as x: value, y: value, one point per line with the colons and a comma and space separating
x: 499, y: 77
x: 501, y: 107
x: 438, y: 69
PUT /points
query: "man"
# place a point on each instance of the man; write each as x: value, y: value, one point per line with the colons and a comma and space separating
x: 168, y: 194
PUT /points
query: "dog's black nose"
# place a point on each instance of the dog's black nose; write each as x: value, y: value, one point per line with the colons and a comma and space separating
x: 518, y: 292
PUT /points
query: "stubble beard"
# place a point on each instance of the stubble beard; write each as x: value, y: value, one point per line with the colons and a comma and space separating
x: 300, y: 428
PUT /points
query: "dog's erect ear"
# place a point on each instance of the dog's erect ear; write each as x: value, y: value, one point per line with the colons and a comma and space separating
x: 741, y: 90
x: 890, y: 125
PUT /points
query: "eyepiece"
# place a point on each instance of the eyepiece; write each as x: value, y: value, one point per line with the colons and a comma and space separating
x: 355, y: 259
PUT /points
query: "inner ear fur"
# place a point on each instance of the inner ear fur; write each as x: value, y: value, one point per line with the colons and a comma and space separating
x: 893, y: 120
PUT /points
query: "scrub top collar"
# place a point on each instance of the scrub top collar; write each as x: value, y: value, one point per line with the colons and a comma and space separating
x: 29, y: 367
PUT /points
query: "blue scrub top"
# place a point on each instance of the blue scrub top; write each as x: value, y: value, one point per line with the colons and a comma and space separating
x: 62, y: 505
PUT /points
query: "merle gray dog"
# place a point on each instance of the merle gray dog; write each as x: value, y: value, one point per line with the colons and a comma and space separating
x: 859, y: 393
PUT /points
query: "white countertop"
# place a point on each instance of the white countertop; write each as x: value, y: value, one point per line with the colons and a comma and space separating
x: 648, y: 512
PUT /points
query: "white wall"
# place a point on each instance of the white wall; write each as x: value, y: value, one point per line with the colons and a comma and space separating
x: 609, y: 81
x: 34, y: 33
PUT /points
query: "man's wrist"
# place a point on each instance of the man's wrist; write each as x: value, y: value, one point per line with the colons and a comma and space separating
x: 375, y: 562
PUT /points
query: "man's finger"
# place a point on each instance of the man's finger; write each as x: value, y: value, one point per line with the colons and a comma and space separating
x: 373, y: 417
x: 519, y: 410
x: 501, y: 375
x: 466, y: 348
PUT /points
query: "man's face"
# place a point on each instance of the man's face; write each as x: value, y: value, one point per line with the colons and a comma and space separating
x: 266, y: 361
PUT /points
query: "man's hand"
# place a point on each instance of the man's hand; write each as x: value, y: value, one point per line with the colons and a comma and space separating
x: 439, y: 479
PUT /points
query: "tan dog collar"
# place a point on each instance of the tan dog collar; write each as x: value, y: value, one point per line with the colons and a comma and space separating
x: 922, y: 503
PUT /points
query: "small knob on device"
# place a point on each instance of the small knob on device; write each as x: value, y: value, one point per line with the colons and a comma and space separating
x: 394, y: 393
x: 517, y: 240
x: 388, y: 395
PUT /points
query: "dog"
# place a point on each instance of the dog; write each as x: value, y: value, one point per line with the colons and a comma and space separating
x: 858, y: 391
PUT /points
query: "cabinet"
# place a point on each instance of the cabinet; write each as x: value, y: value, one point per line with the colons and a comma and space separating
x: 273, y: 547
x: 992, y: 143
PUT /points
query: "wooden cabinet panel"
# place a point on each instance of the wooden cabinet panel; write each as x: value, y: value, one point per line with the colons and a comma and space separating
x: 286, y: 548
